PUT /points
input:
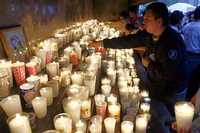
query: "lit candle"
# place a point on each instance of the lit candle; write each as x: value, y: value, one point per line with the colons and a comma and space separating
x: 72, y: 107
x: 101, y: 108
x: 112, y: 99
x: 110, y: 123
x: 54, y: 84
x: 40, y: 106
x: 99, y: 98
x: 111, y: 75
x: 96, y: 124
x: 18, y: 70
x: 145, y: 107
x: 31, y: 68
x: 11, y: 105
x: 7, y: 66
x: 141, y: 123
x: 48, y: 93
x: 65, y: 78
x: 34, y: 80
x: 144, y: 93
x: 114, y: 111
x: 52, y: 69
x: 43, y: 79
x: 136, y: 81
x: 184, y: 112
x: 90, y: 82
x: 81, y: 126
x: 19, y: 123
x: 63, y: 123
x: 77, y: 78
x: 123, y: 93
x: 106, y: 89
x: 86, y: 108
x: 105, y: 81
x: 127, y: 127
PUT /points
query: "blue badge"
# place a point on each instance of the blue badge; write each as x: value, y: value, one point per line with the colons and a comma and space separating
x: 172, y: 54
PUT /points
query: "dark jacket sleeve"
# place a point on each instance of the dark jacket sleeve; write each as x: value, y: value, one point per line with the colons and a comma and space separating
x: 141, y: 38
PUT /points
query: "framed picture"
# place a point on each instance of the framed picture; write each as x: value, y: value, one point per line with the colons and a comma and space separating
x: 15, y: 43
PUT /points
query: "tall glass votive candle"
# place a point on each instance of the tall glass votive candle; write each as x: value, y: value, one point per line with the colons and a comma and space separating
x: 18, y: 70
x: 184, y: 112
x: 19, y: 123
x: 110, y: 123
x: 63, y: 123
x: 48, y: 93
x: 40, y: 106
x: 141, y: 123
x: 114, y: 111
x: 11, y: 105
x: 126, y: 127
x: 72, y: 107
x: 81, y: 126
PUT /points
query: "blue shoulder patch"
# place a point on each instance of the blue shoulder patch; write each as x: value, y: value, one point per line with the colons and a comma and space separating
x: 172, y: 54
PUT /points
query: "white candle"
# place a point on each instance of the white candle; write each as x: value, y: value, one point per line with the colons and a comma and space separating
x: 106, y: 89
x: 63, y: 123
x: 7, y: 66
x: 111, y: 75
x: 90, y: 82
x: 96, y: 124
x: 136, y: 81
x: 112, y: 99
x: 123, y: 93
x: 184, y: 112
x: 81, y: 126
x: 127, y: 127
x: 114, y: 111
x: 145, y: 107
x: 105, y: 81
x: 54, y: 84
x: 86, y: 108
x: 72, y: 107
x: 99, y: 98
x: 40, y: 106
x: 48, y: 93
x: 34, y: 80
x: 141, y: 123
x: 43, y: 79
x: 19, y: 124
x: 77, y: 78
x: 11, y: 105
x: 144, y: 93
x: 53, y: 69
x: 110, y: 123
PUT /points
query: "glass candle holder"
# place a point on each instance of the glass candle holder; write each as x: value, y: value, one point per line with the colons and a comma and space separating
x: 40, y: 106
x: 77, y: 78
x: 145, y: 107
x: 81, y: 126
x: 184, y: 112
x: 48, y: 93
x: 112, y: 99
x: 141, y: 123
x: 19, y: 123
x: 4, y: 84
x: 110, y: 123
x: 63, y: 123
x: 126, y: 127
x: 106, y: 89
x: 11, y: 105
x: 72, y: 107
x: 114, y: 111
x: 86, y: 108
x: 18, y: 70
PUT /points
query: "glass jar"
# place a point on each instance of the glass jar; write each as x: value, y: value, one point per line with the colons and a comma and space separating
x: 4, y: 84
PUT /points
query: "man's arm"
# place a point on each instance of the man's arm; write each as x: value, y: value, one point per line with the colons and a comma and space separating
x: 140, y: 39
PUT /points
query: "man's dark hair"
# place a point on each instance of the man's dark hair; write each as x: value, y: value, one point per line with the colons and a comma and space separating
x: 176, y: 17
x: 159, y: 10
x: 197, y: 13
x: 133, y: 9
x: 124, y: 14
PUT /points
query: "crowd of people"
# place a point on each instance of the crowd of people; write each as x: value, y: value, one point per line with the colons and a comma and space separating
x: 171, y: 48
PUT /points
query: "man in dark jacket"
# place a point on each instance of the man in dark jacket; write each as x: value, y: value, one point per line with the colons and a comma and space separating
x: 166, y: 54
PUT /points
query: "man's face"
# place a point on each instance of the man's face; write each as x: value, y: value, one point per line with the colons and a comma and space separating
x: 151, y: 24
